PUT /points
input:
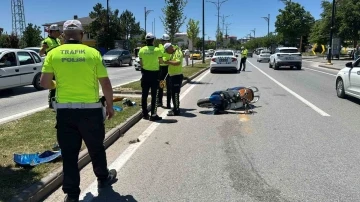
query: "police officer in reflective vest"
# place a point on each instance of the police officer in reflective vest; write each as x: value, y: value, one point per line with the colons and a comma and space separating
x: 164, y: 75
x: 79, y: 69
x: 49, y: 43
x: 244, y: 53
x: 175, y: 62
x: 150, y: 60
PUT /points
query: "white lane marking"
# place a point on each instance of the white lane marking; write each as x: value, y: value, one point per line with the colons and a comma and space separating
x: 319, y: 71
x: 119, y: 163
x: 32, y: 111
x: 315, y: 108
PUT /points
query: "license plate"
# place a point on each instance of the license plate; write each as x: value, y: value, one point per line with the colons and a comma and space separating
x: 289, y: 58
x: 223, y: 60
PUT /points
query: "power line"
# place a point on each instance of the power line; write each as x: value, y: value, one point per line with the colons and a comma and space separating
x: 218, y: 6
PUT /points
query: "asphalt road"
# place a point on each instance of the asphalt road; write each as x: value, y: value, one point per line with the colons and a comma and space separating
x: 301, y: 144
x: 22, y: 99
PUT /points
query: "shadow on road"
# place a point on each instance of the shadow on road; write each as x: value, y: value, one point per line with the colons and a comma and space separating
x: 199, y: 82
x: 109, y: 195
x: 17, y: 91
x: 237, y: 111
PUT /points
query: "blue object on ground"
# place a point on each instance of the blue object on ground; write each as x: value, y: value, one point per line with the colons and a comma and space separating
x: 117, y: 108
x: 36, y: 158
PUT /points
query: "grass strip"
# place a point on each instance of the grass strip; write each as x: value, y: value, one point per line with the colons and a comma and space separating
x: 187, y: 71
x: 36, y: 133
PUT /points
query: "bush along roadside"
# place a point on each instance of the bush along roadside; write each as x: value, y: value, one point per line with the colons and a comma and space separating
x: 41, y: 187
x: 135, y: 87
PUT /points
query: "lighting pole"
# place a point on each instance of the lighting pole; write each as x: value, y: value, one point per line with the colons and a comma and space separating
x: 331, y: 33
x: 107, y: 23
x: 218, y: 6
x: 254, y: 31
x: 203, y: 31
x: 268, y: 21
x: 223, y: 17
x: 146, y: 14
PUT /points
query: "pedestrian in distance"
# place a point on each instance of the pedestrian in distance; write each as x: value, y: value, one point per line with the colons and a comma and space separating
x: 150, y: 60
x: 175, y: 62
x: 49, y: 43
x: 80, y: 112
x: 244, y: 53
x: 164, y: 75
x: 187, y: 55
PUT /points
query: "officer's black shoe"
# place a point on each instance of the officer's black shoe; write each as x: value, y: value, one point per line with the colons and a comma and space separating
x: 110, y: 179
x: 173, y: 113
x: 71, y: 199
x: 155, y: 118
x: 146, y: 116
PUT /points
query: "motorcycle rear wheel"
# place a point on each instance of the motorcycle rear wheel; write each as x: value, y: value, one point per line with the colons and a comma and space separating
x: 205, y: 103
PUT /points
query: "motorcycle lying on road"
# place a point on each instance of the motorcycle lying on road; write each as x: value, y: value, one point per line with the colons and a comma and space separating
x: 231, y: 99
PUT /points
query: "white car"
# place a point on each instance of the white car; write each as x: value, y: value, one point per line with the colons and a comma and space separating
x: 137, y: 64
x: 37, y: 50
x: 348, y: 80
x: 264, y: 56
x: 19, y: 67
x: 224, y: 60
x: 286, y: 56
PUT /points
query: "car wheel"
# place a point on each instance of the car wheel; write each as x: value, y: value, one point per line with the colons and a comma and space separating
x: 36, y: 82
x: 340, y: 91
x: 270, y: 66
x: 276, y: 66
x: 131, y: 62
x: 211, y: 71
x: 120, y: 63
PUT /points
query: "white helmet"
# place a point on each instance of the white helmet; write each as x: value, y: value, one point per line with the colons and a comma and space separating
x: 149, y: 36
x: 165, y: 37
x: 54, y: 27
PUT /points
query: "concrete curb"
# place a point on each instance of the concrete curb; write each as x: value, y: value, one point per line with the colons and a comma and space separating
x: 328, y: 67
x: 38, y: 191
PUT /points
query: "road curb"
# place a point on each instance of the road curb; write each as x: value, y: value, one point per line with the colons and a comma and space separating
x: 328, y: 67
x: 40, y: 190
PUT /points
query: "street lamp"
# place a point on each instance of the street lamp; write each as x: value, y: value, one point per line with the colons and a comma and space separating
x: 107, y: 23
x: 331, y: 33
x: 146, y: 14
x: 218, y: 6
x: 254, y: 31
x: 203, y: 31
x: 268, y: 21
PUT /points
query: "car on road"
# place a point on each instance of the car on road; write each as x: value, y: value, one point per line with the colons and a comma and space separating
x: 286, y: 56
x: 137, y: 64
x: 37, y: 50
x: 264, y: 56
x: 224, y: 60
x: 118, y: 57
x: 348, y: 80
x: 196, y: 55
x: 19, y: 67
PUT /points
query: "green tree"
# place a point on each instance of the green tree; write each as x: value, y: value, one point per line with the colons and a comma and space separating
x: 349, y: 13
x: 220, y: 37
x: 193, y: 31
x: 128, y: 25
x: 32, y: 35
x: 98, y: 28
x: 173, y: 16
x: 293, y: 22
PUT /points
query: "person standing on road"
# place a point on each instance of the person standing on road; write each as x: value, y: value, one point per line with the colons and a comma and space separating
x: 79, y: 111
x: 244, y: 53
x: 187, y: 55
x: 175, y: 63
x: 49, y: 43
x: 150, y: 60
x: 163, y: 73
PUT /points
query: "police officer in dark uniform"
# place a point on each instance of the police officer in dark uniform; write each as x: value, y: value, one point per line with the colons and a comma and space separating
x: 80, y: 114
x: 150, y: 59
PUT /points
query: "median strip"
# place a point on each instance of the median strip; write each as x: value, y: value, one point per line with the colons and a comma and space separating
x: 36, y: 133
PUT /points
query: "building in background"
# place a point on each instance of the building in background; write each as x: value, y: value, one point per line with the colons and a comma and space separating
x: 183, y: 40
x: 85, y: 21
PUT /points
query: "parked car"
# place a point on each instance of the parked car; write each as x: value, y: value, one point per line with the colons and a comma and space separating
x: 348, y: 80
x: 264, y: 56
x: 19, y: 67
x: 286, y: 56
x: 37, y: 50
x: 196, y: 55
x: 224, y: 60
x: 118, y: 57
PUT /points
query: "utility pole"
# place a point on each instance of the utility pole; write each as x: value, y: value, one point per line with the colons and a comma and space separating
x: 329, y: 56
x: 268, y: 23
x: 254, y: 31
x: 203, y: 31
x: 226, y: 29
x: 218, y: 6
x: 154, y: 28
x: 223, y: 20
x: 146, y: 14
x: 107, y: 23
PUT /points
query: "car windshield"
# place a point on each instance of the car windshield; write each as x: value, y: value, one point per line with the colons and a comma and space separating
x: 288, y: 51
x: 228, y: 53
x: 113, y: 52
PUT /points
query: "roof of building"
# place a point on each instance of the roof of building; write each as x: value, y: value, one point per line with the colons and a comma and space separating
x: 84, y: 21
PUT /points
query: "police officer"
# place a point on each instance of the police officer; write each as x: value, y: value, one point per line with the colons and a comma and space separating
x: 49, y: 43
x: 244, y: 53
x: 79, y: 112
x: 175, y: 63
x: 150, y: 60
x: 163, y: 73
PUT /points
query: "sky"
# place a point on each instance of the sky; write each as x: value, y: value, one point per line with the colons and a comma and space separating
x: 243, y: 15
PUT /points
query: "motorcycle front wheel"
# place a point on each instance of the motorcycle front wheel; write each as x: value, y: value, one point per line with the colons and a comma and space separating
x: 204, y: 103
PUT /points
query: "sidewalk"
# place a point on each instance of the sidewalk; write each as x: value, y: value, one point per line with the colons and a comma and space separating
x: 322, y: 62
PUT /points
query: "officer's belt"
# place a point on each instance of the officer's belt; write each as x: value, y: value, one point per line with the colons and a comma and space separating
x: 78, y: 105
